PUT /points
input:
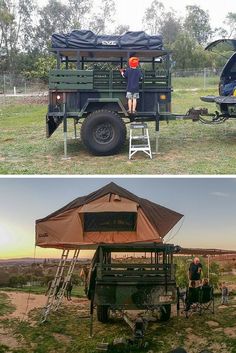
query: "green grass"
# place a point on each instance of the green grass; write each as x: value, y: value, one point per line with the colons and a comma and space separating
x: 185, y: 147
x: 5, y: 305
x: 68, y: 331
x: 77, y: 291
x: 194, y: 82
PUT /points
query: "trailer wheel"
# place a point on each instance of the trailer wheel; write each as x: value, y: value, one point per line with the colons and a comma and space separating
x: 165, y: 312
x: 103, y: 313
x: 103, y: 133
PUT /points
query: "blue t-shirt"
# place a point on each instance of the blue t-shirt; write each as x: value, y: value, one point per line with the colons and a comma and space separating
x: 133, y: 76
x: 194, y: 271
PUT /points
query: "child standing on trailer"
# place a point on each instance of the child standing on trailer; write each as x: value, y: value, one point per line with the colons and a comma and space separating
x: 225, y: 294
x: 133, y: 74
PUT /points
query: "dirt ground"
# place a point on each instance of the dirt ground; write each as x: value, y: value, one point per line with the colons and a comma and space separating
x: 25, y: 302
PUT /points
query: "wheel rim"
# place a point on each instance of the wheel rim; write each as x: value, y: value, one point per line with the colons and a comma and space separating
x: 103, y: 133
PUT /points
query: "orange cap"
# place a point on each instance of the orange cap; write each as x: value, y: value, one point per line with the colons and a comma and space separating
x: 133, y: 61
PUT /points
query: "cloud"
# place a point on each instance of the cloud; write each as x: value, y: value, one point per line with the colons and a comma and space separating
x: 219, y: 194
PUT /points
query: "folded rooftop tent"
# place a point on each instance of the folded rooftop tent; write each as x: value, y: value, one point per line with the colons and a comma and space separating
x: 110, y: 215
x: 85, y: 39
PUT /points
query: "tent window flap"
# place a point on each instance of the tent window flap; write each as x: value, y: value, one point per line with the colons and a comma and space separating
x: 110, y: 221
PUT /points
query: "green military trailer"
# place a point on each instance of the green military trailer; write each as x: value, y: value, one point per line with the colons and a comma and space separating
x: 128, y: 282
x: 87, y: 86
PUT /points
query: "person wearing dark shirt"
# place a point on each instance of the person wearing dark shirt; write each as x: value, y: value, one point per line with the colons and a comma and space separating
x: 195, y: 270
x: 225, y: 294
x: 133, y: 75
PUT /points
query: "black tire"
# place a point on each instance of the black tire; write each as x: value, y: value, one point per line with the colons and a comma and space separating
x: 103, y: 133
x: 165, y: 312
x: 103, y: 313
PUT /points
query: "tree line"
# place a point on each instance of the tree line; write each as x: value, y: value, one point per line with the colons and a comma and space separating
x: 26, y: 29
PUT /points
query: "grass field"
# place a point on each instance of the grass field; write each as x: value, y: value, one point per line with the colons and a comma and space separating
x: 67, y: 331
x: 185, y: 147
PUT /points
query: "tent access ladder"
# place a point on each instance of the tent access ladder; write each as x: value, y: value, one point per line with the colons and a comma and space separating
x: 139, y: 142
x: 57, y: 290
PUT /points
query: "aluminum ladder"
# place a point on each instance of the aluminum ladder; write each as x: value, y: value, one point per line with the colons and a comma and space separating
x: 139, y: 139
x: 54, y: 298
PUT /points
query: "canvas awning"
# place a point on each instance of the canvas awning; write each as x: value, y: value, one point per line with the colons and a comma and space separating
x: 108, y: 215
x: 205, y: 251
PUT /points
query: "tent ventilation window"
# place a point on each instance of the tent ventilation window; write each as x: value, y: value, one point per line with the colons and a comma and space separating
x: 110, y: 221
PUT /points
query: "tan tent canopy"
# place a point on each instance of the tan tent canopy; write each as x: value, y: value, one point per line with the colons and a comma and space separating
x: 108, y: 215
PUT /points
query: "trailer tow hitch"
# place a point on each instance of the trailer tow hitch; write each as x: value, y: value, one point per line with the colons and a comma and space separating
x: 202, y: 115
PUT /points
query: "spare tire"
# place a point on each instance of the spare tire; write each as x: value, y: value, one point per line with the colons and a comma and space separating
x: 103, y: 133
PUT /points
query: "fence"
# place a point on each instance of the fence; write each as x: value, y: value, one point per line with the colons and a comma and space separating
x: 18, y: 84
x: 196, y: 78
x: 181, y: 79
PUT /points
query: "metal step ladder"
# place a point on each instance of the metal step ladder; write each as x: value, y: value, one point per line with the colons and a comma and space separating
x: 67, y: 279
x: 54, y: 296
x: 139, y: 139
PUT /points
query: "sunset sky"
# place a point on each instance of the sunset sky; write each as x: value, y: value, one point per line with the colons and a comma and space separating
x: 209, y: 206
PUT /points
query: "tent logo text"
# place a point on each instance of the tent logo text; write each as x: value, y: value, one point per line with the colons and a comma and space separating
x: 43, y: 235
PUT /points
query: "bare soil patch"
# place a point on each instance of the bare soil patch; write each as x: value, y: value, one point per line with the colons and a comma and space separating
x: 25, y: 302
x: 212, y: 323
x: 7, y: 339
x: 190, y: 343
x: 230, y: 331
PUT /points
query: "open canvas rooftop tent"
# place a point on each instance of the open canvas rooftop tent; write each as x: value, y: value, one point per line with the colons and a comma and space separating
x: 108, y: 215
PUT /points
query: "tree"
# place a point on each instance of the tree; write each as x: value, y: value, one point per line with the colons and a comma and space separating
x: 170, y: 27
x: 54, y: 17
x: 104, y: 16
x: 181, y: 272
x: 13, y: 281
x: 152, y: 19
x: 182, y: 266
x: 4, y: 278
x: 41, y: 68
x: 80, y: 10
x: 231, y: 23
x: 219, y: 32
x: 183, y: 49
x: 121, y: 29
x: 17, y: 281
x: 15, y: 29
x: 197, y: 24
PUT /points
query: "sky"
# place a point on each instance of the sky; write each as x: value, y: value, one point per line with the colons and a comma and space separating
x: 131, y: 12
x: 128, y: 13
x: 208, y: 205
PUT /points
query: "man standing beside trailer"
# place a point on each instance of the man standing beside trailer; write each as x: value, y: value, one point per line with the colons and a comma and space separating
x: 195, y: 270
